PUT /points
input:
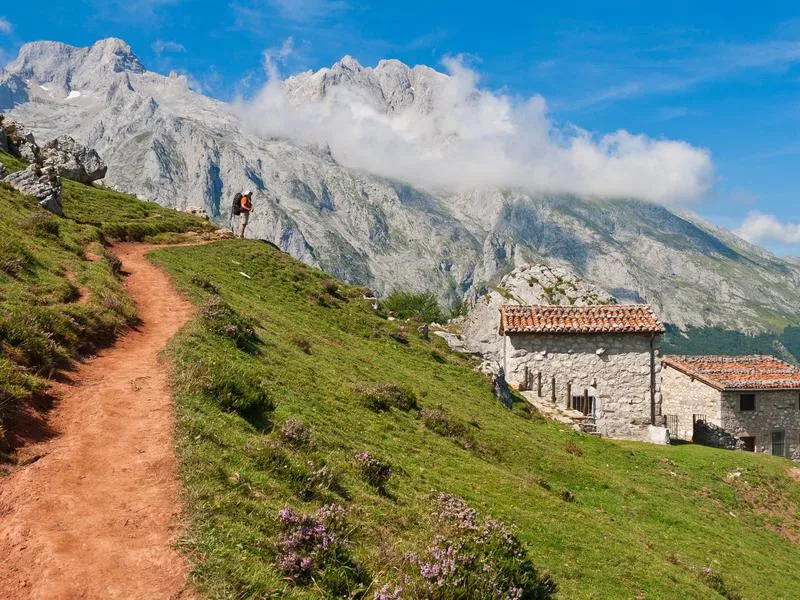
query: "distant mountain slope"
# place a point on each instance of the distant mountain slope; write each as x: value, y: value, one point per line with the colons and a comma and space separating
x: 164, y: 142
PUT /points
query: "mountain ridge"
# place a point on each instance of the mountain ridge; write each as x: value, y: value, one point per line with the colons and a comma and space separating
x: 164, y: 142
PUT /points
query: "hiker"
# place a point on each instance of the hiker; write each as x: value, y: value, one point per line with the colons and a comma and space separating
x: 242, y: 207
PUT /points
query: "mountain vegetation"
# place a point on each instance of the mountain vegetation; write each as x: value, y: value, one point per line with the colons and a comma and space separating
x: 328, y: 450
x: 61, y: 293
x: 295, y: 396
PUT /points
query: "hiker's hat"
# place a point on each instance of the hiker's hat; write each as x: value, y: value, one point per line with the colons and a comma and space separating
x: 248, y: 193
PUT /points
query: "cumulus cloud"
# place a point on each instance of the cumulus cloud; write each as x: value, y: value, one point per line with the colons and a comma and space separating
x: 762, y: 228
x: 5, y: 25
x: 161, y: 46
x: 457, y: 136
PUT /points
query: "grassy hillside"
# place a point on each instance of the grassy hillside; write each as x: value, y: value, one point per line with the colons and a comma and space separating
x: 293, y: 392
x: 60, y: 290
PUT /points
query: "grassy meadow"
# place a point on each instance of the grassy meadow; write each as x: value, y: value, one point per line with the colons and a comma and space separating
x: 277, y: 342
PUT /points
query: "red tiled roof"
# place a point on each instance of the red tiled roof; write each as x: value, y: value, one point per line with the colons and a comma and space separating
x: 753, y: 372
x: 614, y: 318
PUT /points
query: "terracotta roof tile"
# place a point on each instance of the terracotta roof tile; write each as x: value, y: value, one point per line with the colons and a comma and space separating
x: 615, y: 318
x: 753, y: 372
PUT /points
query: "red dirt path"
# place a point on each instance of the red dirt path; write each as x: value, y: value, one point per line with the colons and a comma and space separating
x: 98, y: 514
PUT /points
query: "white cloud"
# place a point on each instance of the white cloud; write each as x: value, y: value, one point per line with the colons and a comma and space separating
x: 762, y: 228
x: 160, y: 47
x: 5, y: 25
x: 468, y: 137
x: 307, y: 11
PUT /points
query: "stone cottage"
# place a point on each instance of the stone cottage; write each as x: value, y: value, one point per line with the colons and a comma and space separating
x: 600, y: 360
x: 755, y: 400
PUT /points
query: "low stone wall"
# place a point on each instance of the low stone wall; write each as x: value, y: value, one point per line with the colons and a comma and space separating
x: 708, y: 434
x: 615, y: 367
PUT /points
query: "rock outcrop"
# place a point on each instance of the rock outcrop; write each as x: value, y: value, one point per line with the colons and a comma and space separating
x: 73, y: 160
x: 527, y: 284
x: 40, y: 182
x: 61, y: 157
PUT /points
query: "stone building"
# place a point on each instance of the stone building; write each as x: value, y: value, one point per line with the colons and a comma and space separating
x: 753, y: 399
x: 600, y: 360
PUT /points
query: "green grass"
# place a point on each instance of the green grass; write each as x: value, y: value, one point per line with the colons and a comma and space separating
x: 60, y: 294
x: 44, y: 269
x: 606, y: 519
x: 124, y: 217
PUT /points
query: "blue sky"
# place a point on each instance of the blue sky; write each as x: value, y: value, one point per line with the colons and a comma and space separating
x: 721, y: 78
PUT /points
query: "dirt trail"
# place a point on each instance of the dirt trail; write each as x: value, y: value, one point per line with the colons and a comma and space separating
x: 97, y: 515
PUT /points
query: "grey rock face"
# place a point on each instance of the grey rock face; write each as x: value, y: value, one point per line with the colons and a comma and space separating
x: 40, y: 182
x: 163, y: 142
x: 73, y: 160
x: 2, y: 170
x: 527, y: 284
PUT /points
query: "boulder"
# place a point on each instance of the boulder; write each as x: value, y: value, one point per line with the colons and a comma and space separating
x: 2, y: 170
x: 500, y: 387
x: 657, y: 435
x: 73, y: 160
x: 40, y: 182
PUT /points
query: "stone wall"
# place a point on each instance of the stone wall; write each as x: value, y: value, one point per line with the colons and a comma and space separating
x: 684, y: 397
x: 616, y: 366
x: 775, y: 410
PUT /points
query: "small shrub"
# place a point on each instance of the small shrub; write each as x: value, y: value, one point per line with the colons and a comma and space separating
x: 295, y: 433
x: 473, y: 557
x: 572, y: 448
x: 715, y: 582
x: 114, y: 263
x: 401, y: 335
x: 374, y: 471
x: 524, y: 410
x: 234, y: 391
x: 384, y: 396
x: 325, y: 300
x: 331, y: 288
x: 315, y: 548
x: 566, y: 495
x: 204, y: 282
x: 450, y: 427
x: 302, y: 343
x: 423, y: 307
x: 438, y: 357
x: 389, y: 592
x: 15, y: 259
x: 43, y: 224
x: 221, y: 319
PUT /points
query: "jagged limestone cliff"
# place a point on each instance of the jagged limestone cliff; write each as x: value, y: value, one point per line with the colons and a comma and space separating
x: 164, y: 142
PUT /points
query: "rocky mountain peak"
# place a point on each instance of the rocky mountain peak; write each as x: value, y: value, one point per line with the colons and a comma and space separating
x: 56, y: 66
x: 166, y: 143
x: 390, y: 86
x: 347, y: 63
x: 116, y: 54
